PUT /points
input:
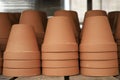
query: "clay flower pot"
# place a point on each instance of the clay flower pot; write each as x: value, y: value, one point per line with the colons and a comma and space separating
x: 5, y: 27
x: 22, y: 56
x: 113, y: 17
x: 32, y: 17
x: 73, y: 15
x: 57, y: 38
x: 99, y: 72
x: 97, y: 35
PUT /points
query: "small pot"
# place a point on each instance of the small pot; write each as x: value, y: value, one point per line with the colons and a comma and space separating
x: 60, y: 71
x: 59, y: 64
x: 20, y: 64
x: 22, y: 39
x: 99, y: 72
x: 99, y: 64
x: 60, y: 56
x: 21, y: 72
x: 98, y: 56
x: 57, y: 38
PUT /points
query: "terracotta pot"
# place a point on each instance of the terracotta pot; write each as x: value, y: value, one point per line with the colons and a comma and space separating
x: 98, y: 56
x: 14, y: 18
x: 5, y: 27
x: 73, y: 15
x: 59, y: 64
x: 97, y: 35
x: 60, y: 56
x: 99, y: 72
x: 32, y: 17
x: 57, y: 38
x: 21, y: 64
x: 21, y: 72
x: 99, y: 64
x: 23, y: 38
x: 113, y: 16
x: 117, y: 32
x: 60, y: 71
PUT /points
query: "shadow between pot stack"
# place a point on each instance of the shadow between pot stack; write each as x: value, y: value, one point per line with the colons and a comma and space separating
x: 59, y: 48
x: 5, y: 27
x: 113, y: 17
x: 34, y: 18
x: 117, y: 37
x: 98, y: 51
x: 22, y: 56
x: 74, y: 16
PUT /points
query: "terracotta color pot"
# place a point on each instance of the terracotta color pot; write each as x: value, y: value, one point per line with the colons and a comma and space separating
x: 32, y: 17
x: 60, y: 71
x: 117, y: 32
x: 113, y: 16
x: 21, y: 72
x: 24, y: 40
x: 99, y: 72
x: 60, y: 56
x: 97, y: 35
x: 14, y: 18
x: 99, y: 64
x: 98, y: 56
x: 57, y: 38
x: 73, y: 15
x: 59, y: 64
x: 21, y: 64
x: 5, y: 27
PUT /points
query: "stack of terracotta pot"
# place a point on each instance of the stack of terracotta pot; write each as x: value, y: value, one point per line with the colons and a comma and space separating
x: 22, y: 56
x: 59, y: 49
x: 73, y: 16
x: 98, y: 51
x: 35, y: 19
x: 117, y: 35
